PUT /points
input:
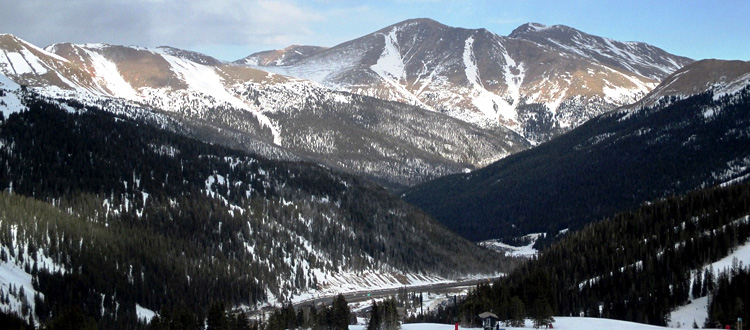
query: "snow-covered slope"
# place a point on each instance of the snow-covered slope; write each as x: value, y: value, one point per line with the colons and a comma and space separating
x: 533, y: 88
x: 697, y: 310
x: 10, y: 97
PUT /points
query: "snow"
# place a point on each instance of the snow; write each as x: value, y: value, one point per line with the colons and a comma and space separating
x: 349, y: 282
x: 697, y: 310
x: 471, y: 70
x: 513, y: 81
x: 684, y: 316
x: 732, y: 87
x: 143, y: 313
x: 34, y: 62
x: 562, y: 323
x: 488, y: 103
x: 18, y: 63
x: 11, y: 102
x: 109, y: 78
x: 516, y: 251
x: 202, y: 78
x: 13, y: 275
x: 390, y: 67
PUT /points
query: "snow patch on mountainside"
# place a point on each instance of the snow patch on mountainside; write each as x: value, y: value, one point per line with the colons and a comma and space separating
x: 24, y: 62
x: 391, y: 68
x: 526, y: 251
x: 203, y: 79
x: 390, y: 65
x: 513, y: 81
x: 15, y: 280
x: 10, y: 101
x: 732, y: 87
x: 488, y: 103
x: 109, y: 78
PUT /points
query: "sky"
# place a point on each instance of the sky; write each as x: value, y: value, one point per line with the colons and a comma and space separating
x: 232, y: 29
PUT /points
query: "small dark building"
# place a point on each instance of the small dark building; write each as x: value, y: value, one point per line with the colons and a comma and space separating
x: 489, y: 320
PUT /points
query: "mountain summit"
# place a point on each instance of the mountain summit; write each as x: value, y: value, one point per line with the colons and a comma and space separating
x: 539, y: 81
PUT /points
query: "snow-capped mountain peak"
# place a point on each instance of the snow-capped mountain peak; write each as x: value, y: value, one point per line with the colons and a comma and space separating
x: 539, y: 81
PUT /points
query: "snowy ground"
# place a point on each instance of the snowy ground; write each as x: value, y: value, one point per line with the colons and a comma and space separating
x: 684, y: 316
x: 515, y: 251
x: 564, y: 323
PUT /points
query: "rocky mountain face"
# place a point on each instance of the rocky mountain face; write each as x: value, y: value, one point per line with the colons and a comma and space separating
x: 395, y: 144
x: 539, y: 81
x: 691, y: 132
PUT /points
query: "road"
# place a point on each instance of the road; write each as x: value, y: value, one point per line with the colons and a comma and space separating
x: 361, y: 296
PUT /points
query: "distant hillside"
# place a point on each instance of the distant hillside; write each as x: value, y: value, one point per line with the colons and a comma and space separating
x: 107, y: 214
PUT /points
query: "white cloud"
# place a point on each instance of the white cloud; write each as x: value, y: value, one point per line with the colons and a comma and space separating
x: 178, y: 23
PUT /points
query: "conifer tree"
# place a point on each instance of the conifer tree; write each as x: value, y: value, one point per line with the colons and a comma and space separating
x: 375, y: 320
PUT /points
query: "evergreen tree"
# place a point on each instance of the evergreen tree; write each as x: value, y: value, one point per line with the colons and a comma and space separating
x: 217, y: 318
x: 516, y: 313
x: 697, y: 288
x: 542, y: 313
x: 375, y: 319
x: 340, y: 313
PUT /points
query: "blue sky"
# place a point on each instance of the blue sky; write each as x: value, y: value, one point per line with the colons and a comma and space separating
x: 231, y: 29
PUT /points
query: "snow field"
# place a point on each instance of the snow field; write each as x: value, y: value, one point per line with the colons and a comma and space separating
x: 562, y: 323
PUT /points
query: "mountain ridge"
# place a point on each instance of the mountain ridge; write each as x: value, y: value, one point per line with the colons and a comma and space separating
x: 264, y: 110
x: 486, y: 96
x: 537, y: 89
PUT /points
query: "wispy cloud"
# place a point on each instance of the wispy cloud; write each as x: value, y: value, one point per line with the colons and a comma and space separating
x: 179, y: 23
